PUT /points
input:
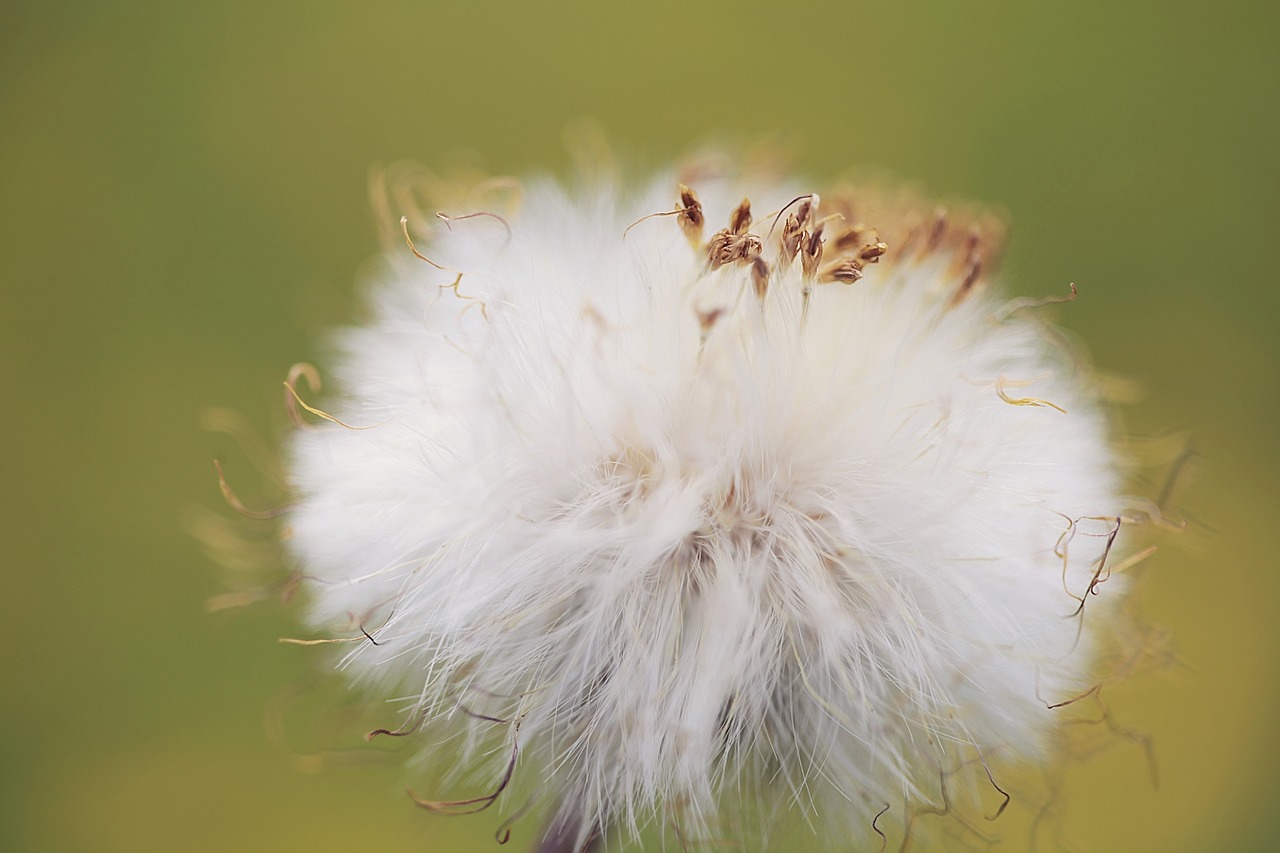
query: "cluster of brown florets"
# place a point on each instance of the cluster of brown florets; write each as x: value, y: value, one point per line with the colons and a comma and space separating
x: 839, y: 255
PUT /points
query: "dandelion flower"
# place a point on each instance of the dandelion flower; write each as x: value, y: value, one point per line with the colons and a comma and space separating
x: 761, y: 503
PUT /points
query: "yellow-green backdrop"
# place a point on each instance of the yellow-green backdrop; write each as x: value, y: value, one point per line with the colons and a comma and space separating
x: 183, y: 188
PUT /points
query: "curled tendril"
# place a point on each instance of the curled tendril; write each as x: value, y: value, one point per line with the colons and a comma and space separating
x: 678, y: 211
x: 449, y: 220
x: 404, y: 228
x: 475, y: 804
x: 293, y: 400
x: 1024, y: 401
x: 1015, y: 305
x: 884, y: 839
x: 229, y: 495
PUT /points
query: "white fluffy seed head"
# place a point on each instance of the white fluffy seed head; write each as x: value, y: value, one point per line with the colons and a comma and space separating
x: 750, y: 501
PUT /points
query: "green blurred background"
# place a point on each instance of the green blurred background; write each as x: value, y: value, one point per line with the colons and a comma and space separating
x: 185, y: 210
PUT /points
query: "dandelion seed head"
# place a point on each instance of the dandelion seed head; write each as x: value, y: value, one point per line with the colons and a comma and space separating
x: 752, y: 499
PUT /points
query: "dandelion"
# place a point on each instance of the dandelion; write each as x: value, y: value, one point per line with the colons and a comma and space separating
x: 706, y: 498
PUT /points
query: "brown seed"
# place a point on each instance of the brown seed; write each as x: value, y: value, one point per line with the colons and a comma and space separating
x: 936, y: 230
x: 740, y: 220
x: 849, y: 239
x: 792, y: 234
x: 971, y: 276
x: 760, y: 276
x: 908, y: 242
x: 707, y: 319
x: 806, y: 208
x: 871, y: 253
x: 847, y: 271
x: 690, y: 218
x: 811, y: 252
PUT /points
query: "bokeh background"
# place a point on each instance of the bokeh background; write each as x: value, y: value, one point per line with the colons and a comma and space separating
x: 184, y: 211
